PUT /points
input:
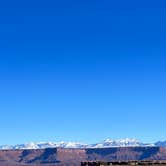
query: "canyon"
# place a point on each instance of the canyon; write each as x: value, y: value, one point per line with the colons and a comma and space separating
x: 74, y: 157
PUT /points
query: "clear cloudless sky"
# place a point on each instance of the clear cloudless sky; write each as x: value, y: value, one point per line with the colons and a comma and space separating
x: 82, y: 70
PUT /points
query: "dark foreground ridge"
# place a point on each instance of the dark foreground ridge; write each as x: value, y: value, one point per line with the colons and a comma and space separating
x: 124, y: 163
x: 74, y: 157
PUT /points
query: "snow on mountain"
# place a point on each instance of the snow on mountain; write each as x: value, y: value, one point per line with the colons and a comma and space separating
x: 105, y: 144
x: 120, y: 143
x: 5, y: 147
x: 43, y: 145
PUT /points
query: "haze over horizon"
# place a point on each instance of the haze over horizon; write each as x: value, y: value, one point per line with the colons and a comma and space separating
x: 82, y: 70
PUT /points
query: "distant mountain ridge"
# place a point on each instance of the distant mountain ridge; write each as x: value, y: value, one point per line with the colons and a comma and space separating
x: 161, y: 143
x: 108, y: 143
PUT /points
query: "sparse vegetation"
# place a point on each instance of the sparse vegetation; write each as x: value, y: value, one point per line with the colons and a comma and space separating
x: 123, y: 163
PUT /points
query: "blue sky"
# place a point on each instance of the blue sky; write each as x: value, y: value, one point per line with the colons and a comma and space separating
x: 82, y: 70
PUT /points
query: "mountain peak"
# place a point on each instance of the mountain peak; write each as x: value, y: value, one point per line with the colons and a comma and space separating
x: 107, y: 143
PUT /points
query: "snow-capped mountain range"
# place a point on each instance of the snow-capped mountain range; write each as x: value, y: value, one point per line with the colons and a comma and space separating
x: 104, y: 144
